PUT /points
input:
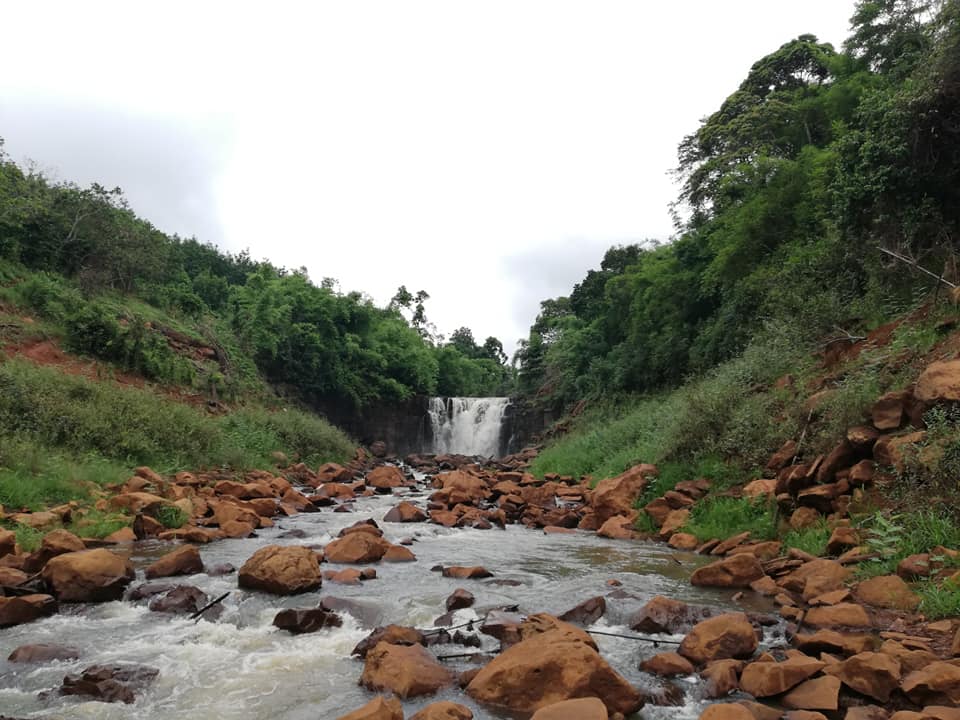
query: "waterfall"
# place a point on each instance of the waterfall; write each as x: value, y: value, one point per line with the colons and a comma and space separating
x: 467, y: 425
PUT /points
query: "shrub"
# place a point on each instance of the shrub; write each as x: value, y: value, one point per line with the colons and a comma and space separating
x: 171, y: 516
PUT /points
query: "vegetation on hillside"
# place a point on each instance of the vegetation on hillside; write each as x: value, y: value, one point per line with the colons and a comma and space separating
x: 788, y: 192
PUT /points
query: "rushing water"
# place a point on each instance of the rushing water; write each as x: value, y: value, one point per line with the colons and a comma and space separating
x: 467, y: 426
x: 242, y: 667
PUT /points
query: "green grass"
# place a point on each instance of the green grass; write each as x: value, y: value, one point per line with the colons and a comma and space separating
x: 895, y: 537
x: 172, y: 517
x: 27, y: 538
x: 811, y: 540
x: 939, y: 600
x: 722, y: 517
x: 97, y: 524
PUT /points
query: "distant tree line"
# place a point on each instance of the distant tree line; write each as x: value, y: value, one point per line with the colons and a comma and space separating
x: 818, y: 159
x: 321, y: 343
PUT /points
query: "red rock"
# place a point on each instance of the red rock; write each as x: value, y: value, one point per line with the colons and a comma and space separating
x: 683, y: 541
x: 587, y: 612
x: 842, y: 538
x: 281, y: 570
x: 459, y: 486
x: 937, y: 683
x: 887, y: 591
x: 804, y: 517
x: 405, y: 670
x: 889, y: 449
x: 553, y: 662
x: 459, y: 599
x: 578, y: 709
x: 385, y: 477
x: 398, y: 553
x: 939, y: 382
x: 842, y: 615
x: 914, y: 567
x: 673, y: 522
x: 616, y: 496
x: 734, y: 571
x: 667, y: 664
x: 109, y: 683
x: 725, y: 636
x: 182, y: 561
x: 466, y: 573
x: 618, y: 528
x: 872, y: 674
x: 821, y: 693
x: 405, y: 512
x: 833, y: 642
x: 889, y: 411
x: 42, y: 653
x: 726, y: 711
x: 444, y: 710
x: 763, y: 679
x: 722, y: 676
x: 665, y: 615
x: 306, y: 620
x: 25, y: 608
x: 358, y: 547
x: 782, y: 457
x: 380, y: 708
x: 88, y: 576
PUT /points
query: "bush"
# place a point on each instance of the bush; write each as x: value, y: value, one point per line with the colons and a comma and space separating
x: 170, y: 516
x: 49, y: 295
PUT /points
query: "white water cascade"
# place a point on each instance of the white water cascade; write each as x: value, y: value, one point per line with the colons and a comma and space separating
x: 467, y: 425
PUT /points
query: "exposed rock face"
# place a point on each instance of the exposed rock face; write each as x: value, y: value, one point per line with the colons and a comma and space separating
x: 110, y: 683
x: 560, y: 663
x: 380, y: 708
x: 724, y: 636
x: 88, y: 576
x: 306, y: 620
x: 281, y: 570
x: 616, y: 496
x: 182, y: 561
x: 405, y: 670
x: 735, y: 571
x: 356, y: 548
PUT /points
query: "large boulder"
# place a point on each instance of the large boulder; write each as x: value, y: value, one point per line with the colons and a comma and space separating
x: 380, y: 708
x: 405, y: 670
x: 940, y: 382
x: 42, y: 653
x: 820, y: 693
x: 725, y: 636
x: 405, y: 512
x: 356, y: 548
x: 88, y: 576
x: 385, y: 477
x: 887, y: 591
x: 182, y: 561
x: 840, y: 615
x: 281, y: 570
x: 726, y: 711
x: 617, y: 496
x: 666, y: 615
x: 735, y: 571
x: 391, y: 634
x: 109, y: 683
x: 937, y: 683
x: 873, y: 674
x: 306, y: 620
x: 181, y: 599
x: 763, y: 679
x: 458, y: 486
x: 553, y: 662
x: 25, y: 608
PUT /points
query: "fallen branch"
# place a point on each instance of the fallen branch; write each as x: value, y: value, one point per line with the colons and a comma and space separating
x: 914, y: 264
x: 639, y: 638
x: 196, y: 616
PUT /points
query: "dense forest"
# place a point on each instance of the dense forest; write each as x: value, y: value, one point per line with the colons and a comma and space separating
x: 808, y: 198
x: 81, y: 257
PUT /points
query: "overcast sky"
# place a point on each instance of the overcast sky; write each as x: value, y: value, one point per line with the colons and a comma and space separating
x: 487, y: 152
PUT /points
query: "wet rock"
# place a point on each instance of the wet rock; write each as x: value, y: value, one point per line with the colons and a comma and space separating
x: 726, y: 711
x: 937, y: 683
x: 182, y: 561
x: 667, y: 664
x: 579, y: 709
x: 683, y: 541
x: 444, y: 710
x: 88, y: 576
x: 458, y: 572
x: 553, y: 662
x: 220, y: 569
x: 725, y: 636
x: 181, y: 599
x: 385, y: 477
x: 503, y: 626
x: 281, y: 570
x: 391, y: 634
x: 367, y: 614
x: 673, y: 522
x: 587, y: 612
x: 306, y: 620
x: 405, y: 670
x: 43, y: 652
x: 458, y: 487
x: 405, y: 512
x: 887, y: 591
x: 348, y: 576
x: 398, y: 553
x: 25, y: 608
x: 666, y: 615
x: 821, y: 693
x: 110, y: 683
x: 459, y: 599
x: 722, y: 676
x: 619, y: 527
x: 380, y: 708
x: 735, y: 571
x: 54, y: 543
x: 830, y: 641
x: 356, y: 548
x: 763, y: 679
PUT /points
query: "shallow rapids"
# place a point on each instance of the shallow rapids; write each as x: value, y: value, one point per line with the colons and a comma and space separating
x: 240, y: 666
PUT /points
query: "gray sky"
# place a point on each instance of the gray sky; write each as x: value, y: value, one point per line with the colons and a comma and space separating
x: 487, y: 152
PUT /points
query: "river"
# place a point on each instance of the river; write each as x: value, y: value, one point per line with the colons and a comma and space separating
x: 240, y: 666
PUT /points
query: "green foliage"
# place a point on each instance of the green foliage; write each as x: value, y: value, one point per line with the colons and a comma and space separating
x: 28, y: 538
x: 97, y: 524
x: 170, y: 516
x: 939, y: 599
x: 722, y: 517
x: 894, y: 537
x: 811, y: 539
